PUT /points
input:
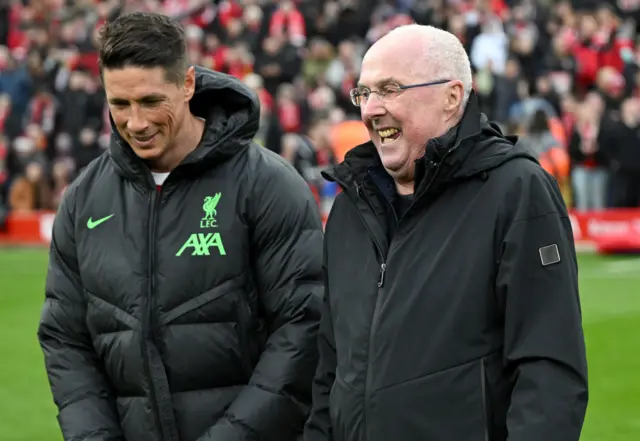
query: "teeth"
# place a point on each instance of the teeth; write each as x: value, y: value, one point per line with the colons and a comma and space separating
x: 387, y: 132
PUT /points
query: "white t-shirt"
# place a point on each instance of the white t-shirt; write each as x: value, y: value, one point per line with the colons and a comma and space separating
x: 159, y: 178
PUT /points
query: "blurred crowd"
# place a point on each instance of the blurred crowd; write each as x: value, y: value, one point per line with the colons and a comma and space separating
x: 563, y: 75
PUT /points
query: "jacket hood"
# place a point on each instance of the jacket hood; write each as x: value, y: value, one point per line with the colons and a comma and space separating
x: 475, y: 146
x: 231, y: 111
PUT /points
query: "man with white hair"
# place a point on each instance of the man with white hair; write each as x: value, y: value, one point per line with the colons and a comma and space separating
x: 451, y: 308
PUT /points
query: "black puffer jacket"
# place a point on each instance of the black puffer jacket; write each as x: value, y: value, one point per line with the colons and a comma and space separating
x: 190, y: 313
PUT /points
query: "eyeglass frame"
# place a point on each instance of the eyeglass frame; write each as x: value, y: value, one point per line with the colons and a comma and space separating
x: 401, y: 88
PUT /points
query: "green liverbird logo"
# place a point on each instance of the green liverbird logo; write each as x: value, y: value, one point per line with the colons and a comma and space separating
x: 201, y: 244
x: 210, y: 213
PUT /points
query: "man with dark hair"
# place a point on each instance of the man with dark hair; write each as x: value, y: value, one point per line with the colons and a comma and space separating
x: 183, y: 290
x: 146, y: 40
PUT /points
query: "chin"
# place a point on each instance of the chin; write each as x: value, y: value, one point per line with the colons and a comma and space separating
x: 394, y: 169
x: 148, y: 153
x: 393, y: 161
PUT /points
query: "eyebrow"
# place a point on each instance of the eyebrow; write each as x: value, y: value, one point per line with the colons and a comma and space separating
x: 145, y: 99
x: 382, y: 82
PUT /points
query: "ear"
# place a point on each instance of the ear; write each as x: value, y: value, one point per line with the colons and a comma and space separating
x: 189, y: 84
x: 453, y: 97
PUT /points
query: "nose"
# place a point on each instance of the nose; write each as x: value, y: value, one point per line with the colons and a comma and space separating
x: 372, y: 108
x: 136, y: 123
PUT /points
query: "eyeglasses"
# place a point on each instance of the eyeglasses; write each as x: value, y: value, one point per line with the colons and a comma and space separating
x: 386, y: 93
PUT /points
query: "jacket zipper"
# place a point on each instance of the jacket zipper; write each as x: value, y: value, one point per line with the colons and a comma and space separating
x: 147, y: 327
x: 149, y: 341
x: 376, y: 313
x: 383, y: 265
x: 380, y: 285
x: 381, y: 279
x: 383, y: 268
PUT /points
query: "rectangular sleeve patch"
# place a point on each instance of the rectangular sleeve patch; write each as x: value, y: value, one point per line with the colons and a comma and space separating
x: 549, y: 255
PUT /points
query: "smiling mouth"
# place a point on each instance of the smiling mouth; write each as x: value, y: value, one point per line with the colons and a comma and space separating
x: 144, y: 140
x: 387, y: 136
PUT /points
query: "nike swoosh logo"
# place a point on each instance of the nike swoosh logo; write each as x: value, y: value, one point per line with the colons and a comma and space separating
x: 91, y: 224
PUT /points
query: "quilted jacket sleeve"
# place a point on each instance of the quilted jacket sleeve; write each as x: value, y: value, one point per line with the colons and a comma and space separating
x: 287, y: 247
x: 85, y: 404
x: 318, y: 427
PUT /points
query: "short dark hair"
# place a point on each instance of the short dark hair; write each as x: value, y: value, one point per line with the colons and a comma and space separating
x: 146, y: 40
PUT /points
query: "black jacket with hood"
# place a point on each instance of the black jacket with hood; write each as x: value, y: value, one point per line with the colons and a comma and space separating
x: 192, y: 312
x: 447, y: 325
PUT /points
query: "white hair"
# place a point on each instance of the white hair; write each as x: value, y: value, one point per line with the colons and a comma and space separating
x: 443, y: 51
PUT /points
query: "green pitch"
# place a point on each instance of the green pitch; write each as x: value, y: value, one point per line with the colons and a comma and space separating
x: 610, y: 289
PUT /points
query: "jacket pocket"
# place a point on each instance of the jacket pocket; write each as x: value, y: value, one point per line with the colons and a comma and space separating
x: 442, y: 406
x: 497, y: 388
x: 246, y: 338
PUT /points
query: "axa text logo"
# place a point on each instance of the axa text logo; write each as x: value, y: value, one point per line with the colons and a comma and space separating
x: 202, y: 244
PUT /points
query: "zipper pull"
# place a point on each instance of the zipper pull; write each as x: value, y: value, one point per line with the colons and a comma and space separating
x: 383, y: 268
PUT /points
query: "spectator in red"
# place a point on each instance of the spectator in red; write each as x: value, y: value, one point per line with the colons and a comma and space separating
x: 42, y: 111
x: 617, y: 38
x: 587, y: 52
x: 289, y: 112
x: 239, y: 61
x: 288, y: 22
x: 215, y: 53
x: 228, y: 10
x: 588, y: 163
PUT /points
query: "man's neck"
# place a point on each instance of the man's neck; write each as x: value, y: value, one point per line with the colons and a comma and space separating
x: 404, y: 188
x: 185, y: 142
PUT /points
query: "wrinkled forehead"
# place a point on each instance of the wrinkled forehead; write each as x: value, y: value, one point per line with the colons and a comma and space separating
x: 383, y: 63
x: 133, y: 84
